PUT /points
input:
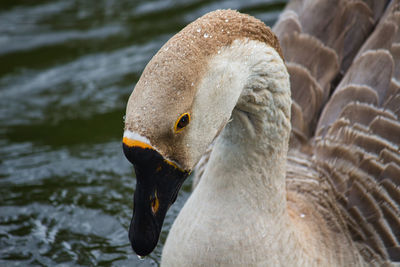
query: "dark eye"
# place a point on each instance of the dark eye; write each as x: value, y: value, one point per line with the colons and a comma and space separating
x: 182, y: 122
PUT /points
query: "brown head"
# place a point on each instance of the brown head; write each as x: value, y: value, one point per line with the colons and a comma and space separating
x: 166, y: 129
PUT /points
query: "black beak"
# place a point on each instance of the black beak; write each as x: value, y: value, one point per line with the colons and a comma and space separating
x: 157, y: 184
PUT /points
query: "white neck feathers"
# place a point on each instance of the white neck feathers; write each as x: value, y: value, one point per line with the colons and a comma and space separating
x: 248, y: 84
x: 241, y: 196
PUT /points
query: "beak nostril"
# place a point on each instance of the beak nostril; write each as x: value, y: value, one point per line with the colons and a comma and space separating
x: 159, y: 168
x: 155, y: 203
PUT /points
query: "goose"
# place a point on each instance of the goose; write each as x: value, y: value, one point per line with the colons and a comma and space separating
x: 294, y: 143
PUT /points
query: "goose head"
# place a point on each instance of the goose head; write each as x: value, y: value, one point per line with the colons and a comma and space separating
x: 181, y: 103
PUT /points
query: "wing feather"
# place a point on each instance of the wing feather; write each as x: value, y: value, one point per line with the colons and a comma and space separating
x: 356, y: 144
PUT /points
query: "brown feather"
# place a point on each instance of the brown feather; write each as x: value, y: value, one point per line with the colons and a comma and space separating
x: 344, y: 96
x: 388, y: 156
x: 386, y: 128
x: 288, y: 24
x: 363, y: 113
x: 363, y: 72
x: 308, y: 51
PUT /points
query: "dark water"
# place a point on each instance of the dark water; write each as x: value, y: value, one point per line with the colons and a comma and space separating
x: 66, y: 71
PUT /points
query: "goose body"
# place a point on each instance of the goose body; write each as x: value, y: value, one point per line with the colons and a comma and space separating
x: 278, y: 184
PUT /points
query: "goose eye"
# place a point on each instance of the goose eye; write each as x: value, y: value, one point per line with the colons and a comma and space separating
x: 182, y: 122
